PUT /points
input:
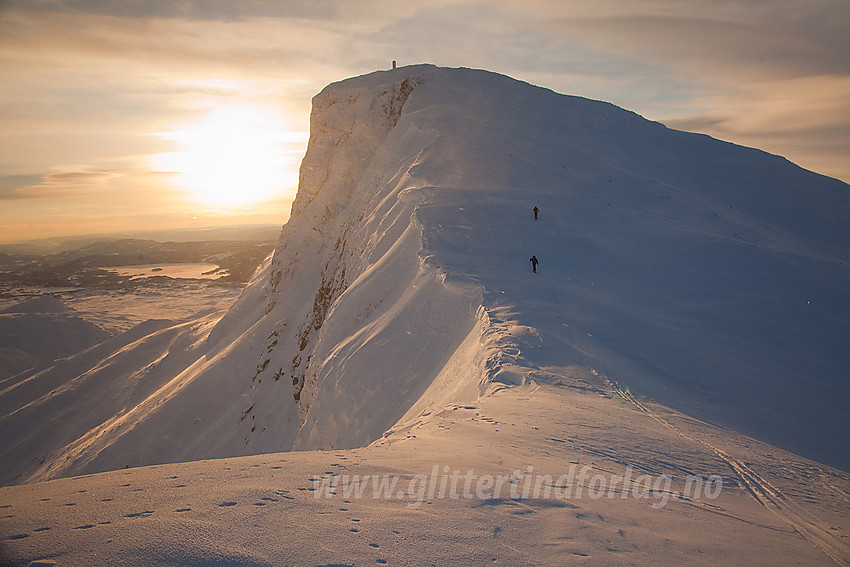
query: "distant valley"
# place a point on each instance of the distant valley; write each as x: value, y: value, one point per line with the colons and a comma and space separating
x: 59, y: 297
x: 86, y: 264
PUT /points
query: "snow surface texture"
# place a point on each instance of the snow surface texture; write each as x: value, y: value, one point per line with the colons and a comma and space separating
x: 702, y: 274
x: 270, y: 510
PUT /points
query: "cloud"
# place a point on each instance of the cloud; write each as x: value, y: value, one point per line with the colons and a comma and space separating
x: 806, y: 119
x: 203, y: 10
x: 65, y: 182
x: 727, y: 41
x: 155, y: 47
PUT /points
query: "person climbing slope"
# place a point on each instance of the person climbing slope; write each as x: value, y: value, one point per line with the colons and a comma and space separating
x: 534, y: 263
x: 536, y: 210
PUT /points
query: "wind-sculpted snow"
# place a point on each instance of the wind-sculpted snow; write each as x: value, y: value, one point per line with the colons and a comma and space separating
x: 705, y: 275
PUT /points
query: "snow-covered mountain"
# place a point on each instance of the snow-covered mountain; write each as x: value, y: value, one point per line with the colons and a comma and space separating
x: 710, y: 277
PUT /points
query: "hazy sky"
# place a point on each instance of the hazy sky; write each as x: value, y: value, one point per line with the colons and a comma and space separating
x: 127, y: 115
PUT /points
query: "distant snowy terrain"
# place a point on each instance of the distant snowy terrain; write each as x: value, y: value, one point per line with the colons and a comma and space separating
x: 706, y: 276
x: 41, y: 330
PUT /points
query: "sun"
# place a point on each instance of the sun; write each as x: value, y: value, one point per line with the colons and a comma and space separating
x: 233, y: 157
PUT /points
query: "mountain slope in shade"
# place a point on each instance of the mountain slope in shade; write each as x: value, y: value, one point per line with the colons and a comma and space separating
x: 37, y: 332
x: 705, y: 275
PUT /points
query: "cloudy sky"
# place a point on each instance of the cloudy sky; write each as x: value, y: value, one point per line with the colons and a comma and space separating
x: 117, y: 114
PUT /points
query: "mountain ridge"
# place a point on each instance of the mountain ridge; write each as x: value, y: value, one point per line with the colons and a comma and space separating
x: 696, y: 272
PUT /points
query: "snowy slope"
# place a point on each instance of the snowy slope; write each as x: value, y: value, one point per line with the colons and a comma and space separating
x: 38, y: 331
x: 773, y: 509
x: 705, y: 275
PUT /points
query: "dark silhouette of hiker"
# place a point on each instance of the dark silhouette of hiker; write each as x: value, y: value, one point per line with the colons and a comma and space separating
x: 536, y: 210
x: 534, y: 262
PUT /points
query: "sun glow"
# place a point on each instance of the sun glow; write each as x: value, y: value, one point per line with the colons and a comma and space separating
x: 234, y: 157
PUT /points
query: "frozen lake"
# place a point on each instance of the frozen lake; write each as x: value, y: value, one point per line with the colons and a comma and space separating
x: 177, y: 271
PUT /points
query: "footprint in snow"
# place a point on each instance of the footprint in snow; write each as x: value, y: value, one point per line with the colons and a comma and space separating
x: 144, y: 514
x: 226, y: 504
x: 284, y: 494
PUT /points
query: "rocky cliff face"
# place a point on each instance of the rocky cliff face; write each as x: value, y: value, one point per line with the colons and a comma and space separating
x: 355, y: 351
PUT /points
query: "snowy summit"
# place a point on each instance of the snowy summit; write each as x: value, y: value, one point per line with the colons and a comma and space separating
x: 668, y: 266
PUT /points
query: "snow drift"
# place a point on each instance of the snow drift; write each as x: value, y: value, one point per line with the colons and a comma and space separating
x: 706, y: 275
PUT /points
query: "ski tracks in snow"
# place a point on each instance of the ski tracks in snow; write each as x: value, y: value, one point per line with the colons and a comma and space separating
x: 810, y: 528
